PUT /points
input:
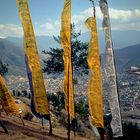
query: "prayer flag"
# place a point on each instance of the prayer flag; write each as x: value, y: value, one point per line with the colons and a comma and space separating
x: 95, y: 80
x: 66, y: 45
x: 110, y: 73
x: 39, y: 103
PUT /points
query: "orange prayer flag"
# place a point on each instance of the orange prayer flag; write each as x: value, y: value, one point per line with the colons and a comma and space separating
x: 34, y: 71
x: 8, y: 102
x: 95, y: 80
x: 66, y: 45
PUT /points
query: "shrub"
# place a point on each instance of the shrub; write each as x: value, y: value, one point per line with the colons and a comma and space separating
x: 75, y: 81
x: 57, y: 99
x: 28, y: 116
x: 131, y: 131
x: 81, y: 108
x: 63, y: 118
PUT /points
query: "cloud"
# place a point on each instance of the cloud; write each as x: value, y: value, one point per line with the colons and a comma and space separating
x: 10, y: 30
x: 127, y: 26
x: 120, y: 19
x: 115, y: 14
x: 49, y: 28
x: 124, y: 15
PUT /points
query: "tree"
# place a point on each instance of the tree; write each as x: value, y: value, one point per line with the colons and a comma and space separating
x: 81, y: 107
x: 54, y: 63
x: 3, y: 68
x: 14, y: 93
x: 24, y: 93
x: 18, y: 93
x: 57, y: 99
x: 29, y: 95
x: 131, y: 131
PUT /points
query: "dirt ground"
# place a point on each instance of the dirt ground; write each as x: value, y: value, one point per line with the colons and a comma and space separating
x: 34, y: 131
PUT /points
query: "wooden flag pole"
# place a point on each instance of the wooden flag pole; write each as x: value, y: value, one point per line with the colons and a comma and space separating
x: 21, y: 119
x: 92, y: 1
x: 73, y: 121
x: 42, y: 123
x: 68, y: 107
x: 20, y: 112
x: 50, y: 132
x: 4, y: 128
x: 68, y: 133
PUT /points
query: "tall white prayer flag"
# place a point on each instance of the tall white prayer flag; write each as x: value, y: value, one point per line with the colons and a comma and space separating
x: 110, y: 73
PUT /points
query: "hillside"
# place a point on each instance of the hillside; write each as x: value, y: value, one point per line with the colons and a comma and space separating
x: 126, y: 57
x: 13, y: 56
x: 34, y: 131
x: 129, y: 56
x: 43, y: 42
x: 12, y: 53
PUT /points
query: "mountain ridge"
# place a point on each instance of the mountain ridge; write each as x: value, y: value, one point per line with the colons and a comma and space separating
x: 13, y: 55
x: 121, y: 39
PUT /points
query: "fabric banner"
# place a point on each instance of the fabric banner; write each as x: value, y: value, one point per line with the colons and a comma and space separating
x: 95, y: 80
x: 110, y: 73
x: 34, y: 71
x: 66, y: 45
x: 7, y: 101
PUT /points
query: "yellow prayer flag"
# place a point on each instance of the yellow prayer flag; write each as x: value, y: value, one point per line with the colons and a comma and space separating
x: 34, y: 70
x: 95, y: 81
x: 66, y: 45
x: 8, y: 102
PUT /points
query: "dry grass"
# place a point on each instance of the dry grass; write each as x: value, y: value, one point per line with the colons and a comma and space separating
x: 34, y: 131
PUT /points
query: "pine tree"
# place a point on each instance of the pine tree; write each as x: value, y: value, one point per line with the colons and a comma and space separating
x: 3, y: 68
x: 54, y: 63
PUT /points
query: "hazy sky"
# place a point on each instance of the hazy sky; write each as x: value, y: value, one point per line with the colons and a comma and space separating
x: 124, y: 15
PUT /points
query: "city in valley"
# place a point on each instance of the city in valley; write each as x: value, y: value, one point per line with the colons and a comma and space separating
x: 128, y: 90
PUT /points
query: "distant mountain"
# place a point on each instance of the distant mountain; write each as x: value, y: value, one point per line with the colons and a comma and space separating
x: 13, y: 56
x: 127, y: 57
x: 43, y: 42
x: 11, y: 52
x: 121, y: 39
